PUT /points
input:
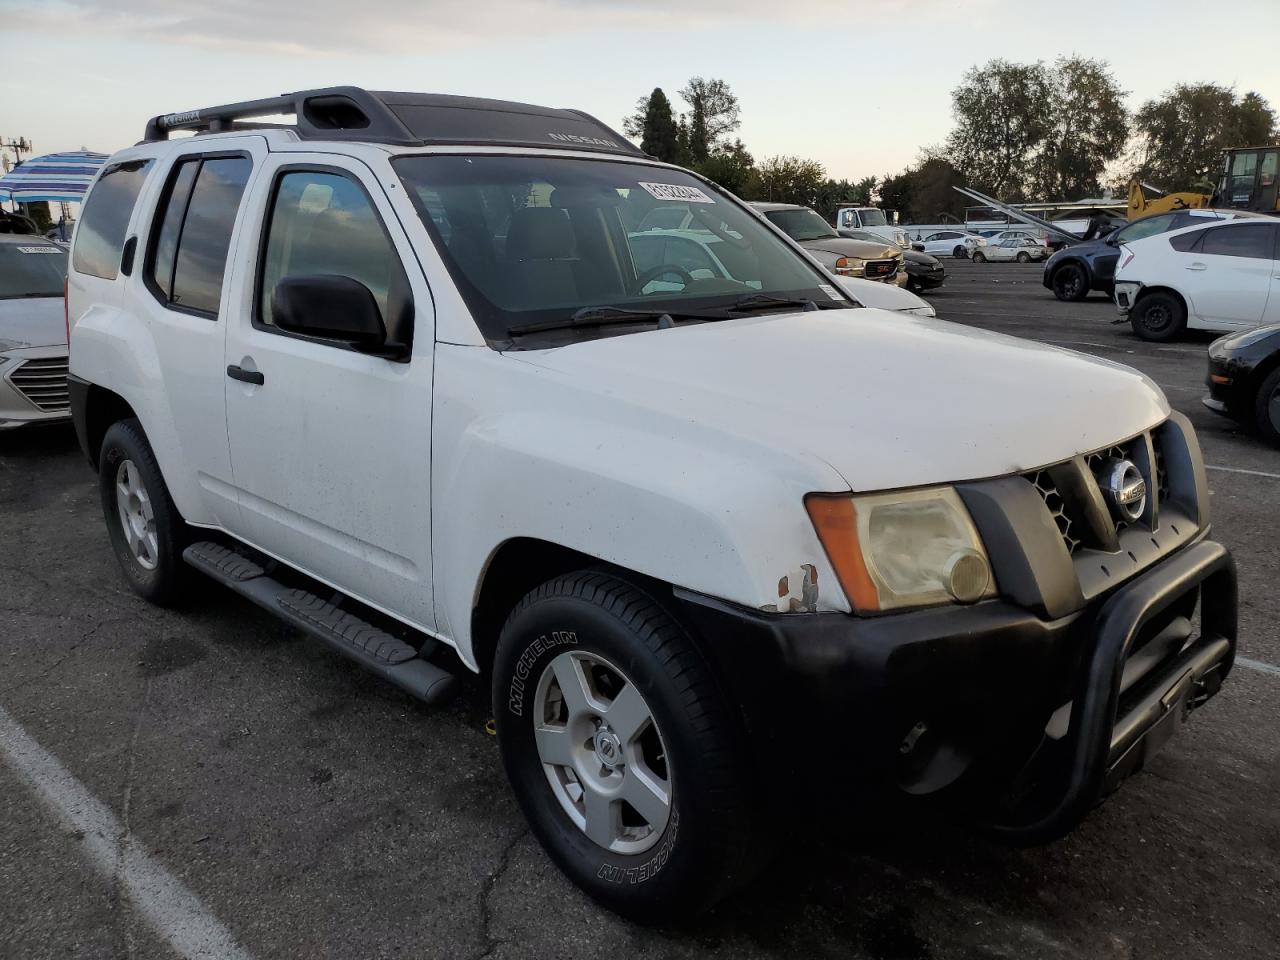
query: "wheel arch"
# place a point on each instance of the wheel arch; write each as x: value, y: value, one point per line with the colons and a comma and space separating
x: 1076, y: 261
x: 102, y: 408
x: 1157, y: 288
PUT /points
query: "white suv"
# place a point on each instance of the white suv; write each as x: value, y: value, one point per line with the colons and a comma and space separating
x: 394, y: 374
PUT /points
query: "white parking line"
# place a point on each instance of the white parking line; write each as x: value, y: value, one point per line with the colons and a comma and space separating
x: 1250, y: 473
x: 1259, y: 666
x: 173, y: 911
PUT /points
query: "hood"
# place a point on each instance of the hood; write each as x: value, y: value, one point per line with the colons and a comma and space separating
x: 915, y: 256
x: 887, y: 400
x: 844, y: 247
x: 32, y: 322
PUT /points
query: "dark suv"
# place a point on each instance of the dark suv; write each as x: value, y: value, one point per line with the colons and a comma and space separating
x: 1091, y: 264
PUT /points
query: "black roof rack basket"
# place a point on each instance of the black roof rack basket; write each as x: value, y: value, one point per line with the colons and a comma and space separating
x: 403, y: 119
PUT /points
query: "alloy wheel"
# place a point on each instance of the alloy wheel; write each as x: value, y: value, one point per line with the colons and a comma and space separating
x: 137, y: 518
x: 602, y: 752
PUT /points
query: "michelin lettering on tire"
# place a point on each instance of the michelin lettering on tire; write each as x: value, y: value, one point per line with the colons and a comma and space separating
x: 519, y: 676
x: 651, y: 867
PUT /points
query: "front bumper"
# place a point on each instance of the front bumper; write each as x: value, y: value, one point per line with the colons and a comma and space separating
x: 33, y: 386
x: 919, y: 699
x: 1126, y: 295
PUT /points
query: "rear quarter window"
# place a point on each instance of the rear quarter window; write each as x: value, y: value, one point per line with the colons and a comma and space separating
x: 105, y: 219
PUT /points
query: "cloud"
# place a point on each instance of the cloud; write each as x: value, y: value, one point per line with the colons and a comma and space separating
x: 329, y: 27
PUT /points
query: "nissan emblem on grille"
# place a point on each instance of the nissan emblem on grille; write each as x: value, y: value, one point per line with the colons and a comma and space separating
x: 1124, y: 489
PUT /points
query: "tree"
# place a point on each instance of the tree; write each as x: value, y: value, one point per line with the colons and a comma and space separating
x: 790, y: 180
x: 923, y: 193
x: 1003, y: 114
x: 654, y: 125
x: 1180, y: 136
x: 732, y: 168
x: 1088, y: 128
x: 835, y: 194
x: 713, y: 115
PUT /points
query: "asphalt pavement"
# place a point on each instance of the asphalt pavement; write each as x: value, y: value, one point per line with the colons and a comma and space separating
x: 205, y: 782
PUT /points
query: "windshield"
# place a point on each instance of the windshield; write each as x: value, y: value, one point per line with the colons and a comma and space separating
x: 535, y: 240
x: 801, y: 225
x: 872, y: 217
x: 31, y: 270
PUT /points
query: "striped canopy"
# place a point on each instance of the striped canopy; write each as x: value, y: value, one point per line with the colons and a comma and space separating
x: 55, y: 176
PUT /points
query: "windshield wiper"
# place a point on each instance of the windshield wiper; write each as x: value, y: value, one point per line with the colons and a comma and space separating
x: 605, y: 315
x: 765, y: 301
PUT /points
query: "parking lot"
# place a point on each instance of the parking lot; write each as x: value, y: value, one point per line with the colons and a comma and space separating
x: 313, y: 811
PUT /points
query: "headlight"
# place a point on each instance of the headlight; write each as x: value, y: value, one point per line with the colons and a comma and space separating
x: 907, y: 549
x: 850, y: 267
x: 1235, y: 341
x: 925, y: 311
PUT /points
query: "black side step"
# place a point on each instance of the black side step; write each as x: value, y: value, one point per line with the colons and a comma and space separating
x: 372, y: 647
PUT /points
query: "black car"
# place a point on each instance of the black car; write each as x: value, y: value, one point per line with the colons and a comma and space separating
x: 1244, y: 379
x: 1091, y: 264
x: 923, y: 271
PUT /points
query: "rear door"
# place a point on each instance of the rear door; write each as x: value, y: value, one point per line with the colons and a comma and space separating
x: 183, y: 258
x: 331, y: 450
x: 1227, y: 277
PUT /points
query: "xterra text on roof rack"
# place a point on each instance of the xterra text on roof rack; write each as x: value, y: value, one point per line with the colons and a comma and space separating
x: 410, y: 375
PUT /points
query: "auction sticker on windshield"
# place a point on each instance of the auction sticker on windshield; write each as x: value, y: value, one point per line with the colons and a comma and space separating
x: 676, y: 191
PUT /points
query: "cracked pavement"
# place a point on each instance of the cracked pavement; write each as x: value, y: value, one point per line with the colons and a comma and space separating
x: 318, y: 812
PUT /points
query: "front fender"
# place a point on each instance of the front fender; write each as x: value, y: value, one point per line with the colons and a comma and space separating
x: 676, y: 501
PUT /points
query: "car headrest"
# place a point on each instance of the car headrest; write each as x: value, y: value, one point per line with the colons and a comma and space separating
x: 540, y: 233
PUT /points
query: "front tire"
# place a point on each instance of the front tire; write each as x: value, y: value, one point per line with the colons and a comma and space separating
x: 1267, y: 408
x: 1023, y: 258
x: 1070, y: 284
x: 146, y: 530
x: 620, y: 749
x: 979, y: 257
x: 1158, y: 317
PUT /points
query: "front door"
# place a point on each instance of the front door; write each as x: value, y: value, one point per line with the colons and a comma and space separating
x: 331, y: 450
x: 1228, y: 278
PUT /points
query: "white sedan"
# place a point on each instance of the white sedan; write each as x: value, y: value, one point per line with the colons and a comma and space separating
x: 1224, y: 276
x: 33, y: 331
x: 1023, y: 250
x: 952, y: 243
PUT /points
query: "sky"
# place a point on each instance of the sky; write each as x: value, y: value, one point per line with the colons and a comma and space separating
x: 859, y: 86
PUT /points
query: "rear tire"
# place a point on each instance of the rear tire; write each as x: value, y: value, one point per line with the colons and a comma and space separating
x: 1267, y: 408
x: 146, y: 530
x: 979, y: 257
x: 1158, y: 317
x: 960, y: 252
x: 614, y: 643
x: 1023, y: 258
x: 1070, y: 284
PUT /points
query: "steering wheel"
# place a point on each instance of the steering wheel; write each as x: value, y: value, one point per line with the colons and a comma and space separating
x: 662, y: 269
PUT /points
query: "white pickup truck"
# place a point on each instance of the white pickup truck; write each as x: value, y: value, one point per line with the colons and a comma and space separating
x: 409, y: 375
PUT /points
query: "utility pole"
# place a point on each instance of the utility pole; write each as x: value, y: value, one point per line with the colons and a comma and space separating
x: 19, y: 147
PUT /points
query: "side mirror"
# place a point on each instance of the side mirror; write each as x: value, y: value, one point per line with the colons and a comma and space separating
x: 333, y: 307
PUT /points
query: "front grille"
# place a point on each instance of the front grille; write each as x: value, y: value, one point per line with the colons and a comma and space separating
x: 1065, y: 489
x: 44, y: 383
x: 878, y: 269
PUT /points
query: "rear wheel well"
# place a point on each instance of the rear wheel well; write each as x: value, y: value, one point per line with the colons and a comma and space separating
x: 517, y: 567
x: 102, y: 409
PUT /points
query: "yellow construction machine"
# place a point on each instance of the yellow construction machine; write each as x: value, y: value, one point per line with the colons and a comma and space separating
x: 1247, y: 181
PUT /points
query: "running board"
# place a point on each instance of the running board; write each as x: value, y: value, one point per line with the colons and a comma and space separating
x: 372, y: 647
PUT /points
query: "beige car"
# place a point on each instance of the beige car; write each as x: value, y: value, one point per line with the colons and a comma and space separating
x: 879, y: 260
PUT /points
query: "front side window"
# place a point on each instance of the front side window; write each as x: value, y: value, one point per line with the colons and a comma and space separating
x: 324, y: 224
x: 34, y: 269
x: 801, y: 225
x: 531, y: 242
x: 193, y: 232
x: 1146, y: 227
x: 1253, y: 240
x: 104, y: 221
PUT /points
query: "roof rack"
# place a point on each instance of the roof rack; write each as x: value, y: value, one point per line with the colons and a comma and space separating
x: 403, y: 119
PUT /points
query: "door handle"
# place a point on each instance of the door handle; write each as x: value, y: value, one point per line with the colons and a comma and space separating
x: 245, y: 376
x: 1196, y: 266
